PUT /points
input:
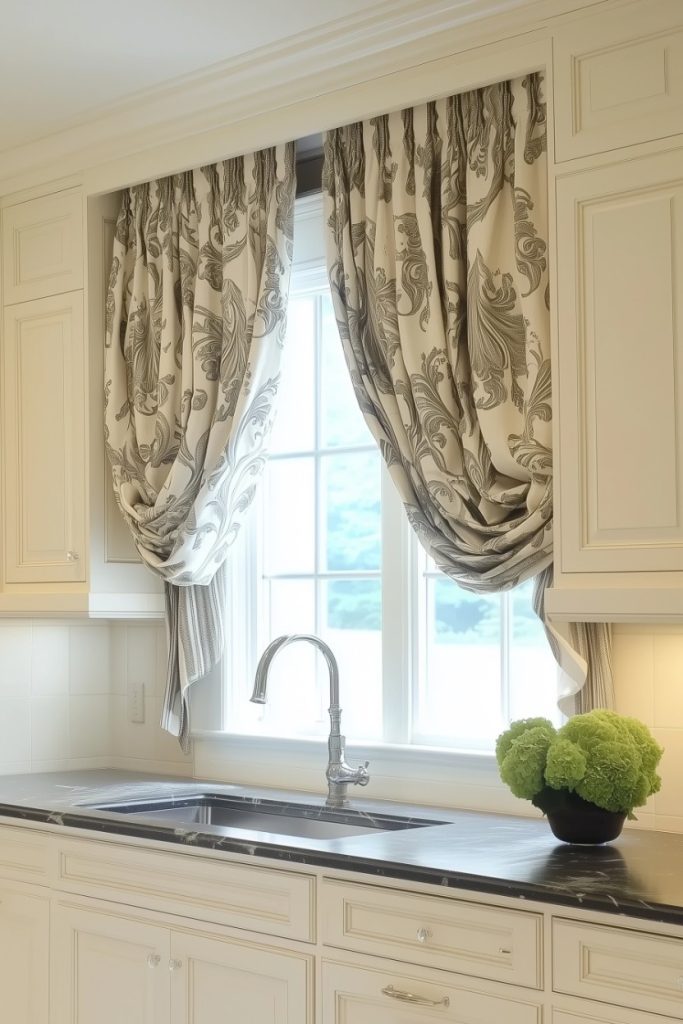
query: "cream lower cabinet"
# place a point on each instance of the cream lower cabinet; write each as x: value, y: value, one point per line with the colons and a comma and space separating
x: 365, y: 995
x: 24, y: 957
x: 215, y: 979
x: 109, y: 967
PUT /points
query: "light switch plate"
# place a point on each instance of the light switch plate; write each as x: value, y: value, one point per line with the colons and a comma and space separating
x: 136, y: 702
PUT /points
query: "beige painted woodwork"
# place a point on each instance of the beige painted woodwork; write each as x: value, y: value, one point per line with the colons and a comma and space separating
x: 619, y: 79
x: 436, y: 932
x: 249, y: 896
x: 367, y: 995
x: 196, y: 944
x: 24, y: 957
x: 216, y: 979
x: 618, y: 966
x: 42, y: 247
x: 620, y: 311
x: 43, y: 421
x: 105, y: 969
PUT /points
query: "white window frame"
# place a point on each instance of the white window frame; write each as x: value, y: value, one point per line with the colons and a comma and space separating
x: 403, y: 563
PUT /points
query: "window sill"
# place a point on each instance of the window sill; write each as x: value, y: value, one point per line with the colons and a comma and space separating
x: 420, y: 775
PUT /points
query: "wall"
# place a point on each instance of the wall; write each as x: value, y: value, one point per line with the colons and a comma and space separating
x: 138, y: 655
x: 63, y: 692
x: 54, y: 696
x: 648, y: 675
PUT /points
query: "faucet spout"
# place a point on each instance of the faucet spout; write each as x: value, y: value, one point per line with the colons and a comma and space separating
x: 339, y: 774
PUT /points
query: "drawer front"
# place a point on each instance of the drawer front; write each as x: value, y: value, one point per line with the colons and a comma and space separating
x: 434, y: 931
x: 614, y: 965
x: 613, y: 1016
x: 354, y: 995
x: 619, y: 82
x: 24, y: 855
x: 43, y: 247
x: 273, y: 902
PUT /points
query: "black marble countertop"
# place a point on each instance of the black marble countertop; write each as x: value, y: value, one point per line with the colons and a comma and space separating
x: 641, y: 874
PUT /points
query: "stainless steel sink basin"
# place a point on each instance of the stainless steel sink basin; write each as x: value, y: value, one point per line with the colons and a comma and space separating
x: 271, y: 816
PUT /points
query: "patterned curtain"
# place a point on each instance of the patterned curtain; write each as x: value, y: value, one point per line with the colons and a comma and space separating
x: 195, y: 321
x: 438, y: 264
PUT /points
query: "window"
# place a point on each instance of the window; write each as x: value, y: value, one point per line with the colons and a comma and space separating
x: 329, y: 551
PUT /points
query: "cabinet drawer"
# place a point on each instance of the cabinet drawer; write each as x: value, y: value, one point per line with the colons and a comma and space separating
x: 619, y: 81
x: 42, y: 247
x: 355, y: 995
x: 618, y: 966
x: 234, y: 895
x: 23, y: 855
x: 582, y: 1015
x: 434, y: 931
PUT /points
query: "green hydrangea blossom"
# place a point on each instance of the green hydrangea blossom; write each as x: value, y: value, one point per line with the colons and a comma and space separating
x: 605, y: 758
x: 522, y: 767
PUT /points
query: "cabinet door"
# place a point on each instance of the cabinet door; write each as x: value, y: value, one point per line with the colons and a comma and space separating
x: 216, y: 979
x: 108, y: 969
x: 42, y: 247
x: 24, y: 957
x: 620, y: 347
x: 44, y: 442
x: 364, y: 995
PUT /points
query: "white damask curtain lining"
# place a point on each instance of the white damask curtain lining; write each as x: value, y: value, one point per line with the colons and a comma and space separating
x: 195, y: 321
x: 438, y: 264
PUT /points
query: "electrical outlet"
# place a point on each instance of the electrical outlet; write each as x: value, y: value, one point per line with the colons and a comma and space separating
x: 136, y: 702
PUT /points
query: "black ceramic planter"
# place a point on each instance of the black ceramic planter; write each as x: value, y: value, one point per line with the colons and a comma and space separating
x: 588, y: 825
x: 574, y: 820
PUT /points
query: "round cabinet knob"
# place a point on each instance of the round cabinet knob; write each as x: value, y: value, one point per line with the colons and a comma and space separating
x: 423, y: 934
x: 153, y: 960
x: 72, y: 556
x: 175, y: 965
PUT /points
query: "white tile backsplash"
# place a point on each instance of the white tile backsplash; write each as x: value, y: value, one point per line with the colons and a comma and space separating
x: 63, y: 697
x: 15, y: 660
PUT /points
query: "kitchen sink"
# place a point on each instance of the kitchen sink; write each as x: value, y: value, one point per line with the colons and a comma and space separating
x: 272, y: 816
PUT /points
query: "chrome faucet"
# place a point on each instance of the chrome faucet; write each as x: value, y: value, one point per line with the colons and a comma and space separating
x: 339, y: 774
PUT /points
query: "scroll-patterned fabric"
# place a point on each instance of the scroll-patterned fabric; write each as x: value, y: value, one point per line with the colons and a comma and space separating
x: 438, y: 263
x: 195, y: 321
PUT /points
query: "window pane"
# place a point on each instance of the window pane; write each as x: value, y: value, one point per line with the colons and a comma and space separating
x: 297, y: 694
x: 289, y: 516
x: 341, y: 421
x: 459, y: 693
x: 353, y: 629
x: 533, y: 672
x: 291, y: 607
x: 351, y: 513
x: 294, y: 429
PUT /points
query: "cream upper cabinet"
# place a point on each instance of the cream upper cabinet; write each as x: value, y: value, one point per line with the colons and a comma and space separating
x: 618, y: 78
x: 42, y: 247
x: 214, y: 979
x: 24, y: 957
x: 43, y: 425
x: 620, y: 368
x: 108, y: 969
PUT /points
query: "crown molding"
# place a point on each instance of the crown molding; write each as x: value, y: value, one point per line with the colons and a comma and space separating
x: 398, y: 35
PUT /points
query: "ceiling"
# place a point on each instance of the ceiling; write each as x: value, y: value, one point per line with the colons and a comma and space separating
x: 63, y: 61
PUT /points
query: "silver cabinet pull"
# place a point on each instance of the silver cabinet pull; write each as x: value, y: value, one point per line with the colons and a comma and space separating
x: 423, y: 934
x: 409, y: 997
x: 72, y: 556
x: 175, y: 965
x: 153, y: 960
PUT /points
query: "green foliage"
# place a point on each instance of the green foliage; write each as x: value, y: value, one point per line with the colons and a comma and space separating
x: 606, y: 759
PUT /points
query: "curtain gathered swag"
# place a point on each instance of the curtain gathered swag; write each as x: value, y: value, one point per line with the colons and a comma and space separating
x: 195, y: 321
x: 438, y: 264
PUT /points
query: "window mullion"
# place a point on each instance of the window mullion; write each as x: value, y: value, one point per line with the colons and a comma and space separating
x: 505, y: 636
x: 397, y: 629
